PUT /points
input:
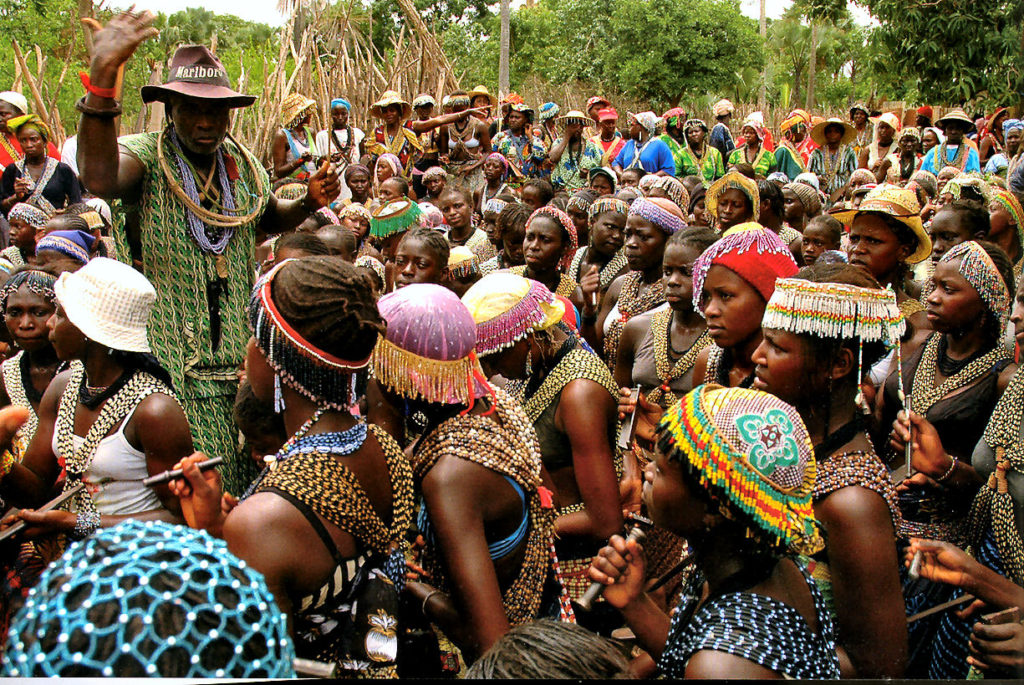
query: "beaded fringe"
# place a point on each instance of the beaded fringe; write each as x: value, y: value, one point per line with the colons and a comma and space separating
x: 834, y: 311
x: 416, y: 377
x: 511, y: 326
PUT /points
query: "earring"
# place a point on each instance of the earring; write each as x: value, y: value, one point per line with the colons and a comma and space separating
x: 859, y: 400
x: 529, y: 359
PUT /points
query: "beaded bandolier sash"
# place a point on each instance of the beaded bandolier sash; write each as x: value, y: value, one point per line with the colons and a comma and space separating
x: 630, y: 303
x: 606, y: 275
x: 661, y: 330
x: 993, y: 506
x: 77, y: 461
x: 510, y: 449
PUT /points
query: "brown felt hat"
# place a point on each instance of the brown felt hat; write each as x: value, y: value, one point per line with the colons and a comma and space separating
x: 196, y: 73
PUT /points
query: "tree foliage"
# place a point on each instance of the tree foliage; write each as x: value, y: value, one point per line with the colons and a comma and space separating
x: 953, y: 50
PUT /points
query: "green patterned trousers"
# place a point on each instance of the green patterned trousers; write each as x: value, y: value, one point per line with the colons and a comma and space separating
x: 215, y: 434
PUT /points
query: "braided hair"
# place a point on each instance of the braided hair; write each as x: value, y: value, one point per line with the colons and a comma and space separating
x: 434, y: 241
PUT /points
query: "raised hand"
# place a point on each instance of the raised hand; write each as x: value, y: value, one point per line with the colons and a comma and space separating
x: 116, y: 42
x: 323, y: 187
x: 620, y: 565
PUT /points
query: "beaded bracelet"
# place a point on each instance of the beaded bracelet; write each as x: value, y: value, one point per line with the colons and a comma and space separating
x: 98, y: 112
x: 949, y: 472
x: 86, y: 523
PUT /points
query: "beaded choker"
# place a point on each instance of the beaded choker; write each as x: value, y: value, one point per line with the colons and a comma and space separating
x: 310, y: 371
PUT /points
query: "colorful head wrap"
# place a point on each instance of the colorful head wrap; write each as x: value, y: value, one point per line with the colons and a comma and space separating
x: 354, y: 210
x: 435, y: 363
x: 14, y: 124
x: 1012, y: 124
x: 432, y: 216
x: 565, y: 221
x: 752, y: 453
x: 341, y: 102
x: 435, y: 172
x: 694, y: 123
x: 549, y: 110
x: 980, y: 271
x: 606, y: 204
x: 735, y: 181
x: 327, y: 214
x: 313, y: 373
x: 513, y: 99
x: 424, y: 100
x: 394, y: 217
x: 1012, y: 205
x: 497, y: 156
x: 494, y: 206
x: 462, y: 262
x: 756, y: 124
x: 507, y: 307
x: 674, y: 116
x: 662, y: 212
x: 925, y: 111
x: 751, y: 251
x: 355, y: 169
x: 390, y: 160
x: 808, y: 197
x: 648, y: 120
x: 30, y: 214
x: 797, y: 117
x: 373, y: 264
x: 74, y: 244
x: 38, y: 282
x: 722, y: 107
x: 939, y: 135
x: 675, y: 190
x: 150, y: 599
x: 607, y: 173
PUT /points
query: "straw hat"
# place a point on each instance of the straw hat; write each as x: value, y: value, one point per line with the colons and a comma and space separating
x: 995, y: 115
x: 109, y: 302
x: 294, y: 106
x: 390, y: 97
x: 574, y: 117
x: 956, y: 114
x: 818, y: 132
x: 424, y: 100
x: 899, y: 203
x: 482, y: 90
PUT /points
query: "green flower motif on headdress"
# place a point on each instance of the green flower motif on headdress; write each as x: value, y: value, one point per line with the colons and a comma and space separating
x: 770, y: 440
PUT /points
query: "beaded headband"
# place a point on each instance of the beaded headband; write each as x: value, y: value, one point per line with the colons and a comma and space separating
x: 911, y: 132
x: 1011, y: 204
x: 394, y: 218
x: 566, y: 222
x: 980, y: 271
x: 310, y: 371
x: 733, y: 181
x: 956, y: 186
x: 432, y: 380
x: 738, y: 241
x: 660, y: 217
x: 579, y: 201
x: 751, y: 451
x: 30, y: 214
x: 373, y: 264
x: 38, y: 283
x: 494, y: 206
x: 435, y: 172
x: 462, y: 262
x: 675, y: 190
x: 501, y: 320
x: 355, y: 210
x: 834, y: 310
x: 497, y: 156
x: 65, y: 246
x: 694, y: 123
x: 606, y: 204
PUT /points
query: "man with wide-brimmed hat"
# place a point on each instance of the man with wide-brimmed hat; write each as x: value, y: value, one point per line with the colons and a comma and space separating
x: 196, y: 197
x: 954, y: 151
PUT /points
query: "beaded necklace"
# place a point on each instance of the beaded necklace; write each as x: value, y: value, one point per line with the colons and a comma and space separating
x: 632, y: 300
x: 925, y: 392
x: 661, y: 329
x: 17, y: 385
x: 6, y: 144
x: 831, y: 162
x: 699, y: 156
x: 607, y: 273
x: 719, y: 364
x: 959, y: 161
x: 857, y: 468
x: 115, y: 409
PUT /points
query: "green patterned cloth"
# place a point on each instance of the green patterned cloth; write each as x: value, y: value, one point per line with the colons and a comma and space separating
x: 179, y: 328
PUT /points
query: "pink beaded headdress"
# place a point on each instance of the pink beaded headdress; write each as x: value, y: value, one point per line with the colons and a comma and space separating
x: 754, y: 253
x: 659, y: 211
x: 566, y: 222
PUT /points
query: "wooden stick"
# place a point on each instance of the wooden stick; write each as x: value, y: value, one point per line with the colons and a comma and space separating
x: 941, y: 607
x: 49, y: 506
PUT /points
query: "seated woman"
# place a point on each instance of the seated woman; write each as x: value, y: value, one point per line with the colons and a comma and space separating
x: 569, y: 397
x: 812, y: 356
x: 603, y: 255
x: 728, y: 460
x: 476, y: 461
x: 421, y: 257
x: 324, y: 522
x: 548, y: 247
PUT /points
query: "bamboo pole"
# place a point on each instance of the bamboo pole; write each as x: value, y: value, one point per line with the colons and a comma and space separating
x: 41, y: 110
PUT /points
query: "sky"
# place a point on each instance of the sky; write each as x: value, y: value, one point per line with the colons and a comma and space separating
x: 265, y: 11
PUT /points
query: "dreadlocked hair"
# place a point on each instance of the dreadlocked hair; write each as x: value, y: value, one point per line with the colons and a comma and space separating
x: 434, y: 241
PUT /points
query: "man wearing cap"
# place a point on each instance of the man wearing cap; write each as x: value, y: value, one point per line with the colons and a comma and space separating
x: 196, y: 197
x: 523, y: 150
x: 954, y: 151
x: 608, y: 137
x: 721, y: 136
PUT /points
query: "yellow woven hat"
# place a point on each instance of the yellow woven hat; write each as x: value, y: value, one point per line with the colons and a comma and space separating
x: 818, y: 131
x: 391, y: 97
x: 899, y: 203
x: 295, y: 105
x: 507, y: 307
x: 482, y: 90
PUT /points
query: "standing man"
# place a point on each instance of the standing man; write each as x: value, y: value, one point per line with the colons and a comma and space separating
x: 199, y: 198
x: 608, y: 137
x: 721, y: 136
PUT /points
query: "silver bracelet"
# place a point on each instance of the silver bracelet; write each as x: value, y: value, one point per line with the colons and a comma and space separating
x: 86, y: 523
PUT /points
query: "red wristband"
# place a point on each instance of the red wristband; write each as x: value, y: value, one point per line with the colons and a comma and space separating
x: 95, y: 90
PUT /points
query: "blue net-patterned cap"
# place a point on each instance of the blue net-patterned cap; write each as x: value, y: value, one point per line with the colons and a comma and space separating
x: 150, y: 599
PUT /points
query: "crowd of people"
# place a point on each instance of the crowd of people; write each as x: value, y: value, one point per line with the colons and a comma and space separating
x: 502, y: 391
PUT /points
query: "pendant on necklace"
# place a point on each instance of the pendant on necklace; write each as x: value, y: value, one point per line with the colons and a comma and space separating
x: 221, y: 264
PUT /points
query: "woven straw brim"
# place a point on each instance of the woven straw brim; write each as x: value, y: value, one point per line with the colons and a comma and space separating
x: 377, y: 109
x: 924, y: 242
x: 80, y: 309
x: 818, y: 132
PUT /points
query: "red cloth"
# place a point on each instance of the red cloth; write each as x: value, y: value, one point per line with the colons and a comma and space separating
x: 569, y: 317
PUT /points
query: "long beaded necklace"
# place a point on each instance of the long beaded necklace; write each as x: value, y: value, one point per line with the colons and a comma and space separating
x: 831, y: 162
x: 632, y: 300
x: 607, y: 273
x: 661, y: 329
x: 959, y: 161
x: 699, y: 156
x: 925, y: 393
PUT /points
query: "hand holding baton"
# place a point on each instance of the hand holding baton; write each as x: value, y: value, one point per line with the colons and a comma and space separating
x: 596, y: 589
x: 168, y: 476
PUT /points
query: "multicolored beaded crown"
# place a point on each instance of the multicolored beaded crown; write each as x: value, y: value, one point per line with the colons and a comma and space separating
x: 752, y: 452
x: 733, y: 181
x: 606, y: 204
x: 980, y: 271
x: 301, y: 365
